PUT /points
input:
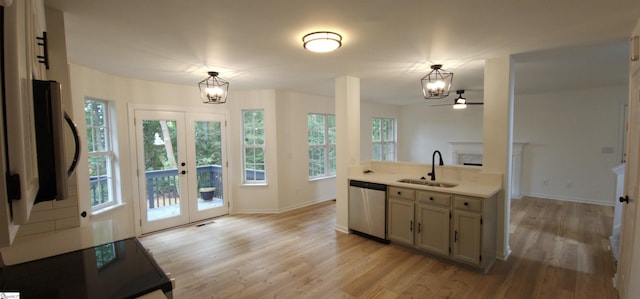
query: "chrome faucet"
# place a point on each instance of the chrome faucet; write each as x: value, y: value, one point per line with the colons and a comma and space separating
x: 432, y: 174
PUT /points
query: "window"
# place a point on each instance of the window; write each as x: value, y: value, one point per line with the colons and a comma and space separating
x: 322, y: 145
x: 100, y: 154
x: 253, y: 135
x: 383, y: 139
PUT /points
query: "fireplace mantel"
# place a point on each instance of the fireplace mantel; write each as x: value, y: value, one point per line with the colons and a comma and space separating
x: 470, y: 153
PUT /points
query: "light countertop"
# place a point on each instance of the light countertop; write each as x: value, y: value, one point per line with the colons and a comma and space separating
x: 463, y: 187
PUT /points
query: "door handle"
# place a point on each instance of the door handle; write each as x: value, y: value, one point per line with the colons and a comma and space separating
x: 624, y: 199
x: 76, y: 139
x: 411, y: 226
x: 419, y: 227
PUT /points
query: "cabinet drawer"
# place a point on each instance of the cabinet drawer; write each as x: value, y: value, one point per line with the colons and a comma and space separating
x: 402, y: 193
x: 435, y: 198
x: 468, y: 203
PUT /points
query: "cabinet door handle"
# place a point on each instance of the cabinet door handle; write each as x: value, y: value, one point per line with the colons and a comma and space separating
x: 624, y: 199
x: 430, y: 198
x: 419, y: 227
x: 399, y: 193
x: 411, y: 225
x: 455, y: 237
x: 466, y: 203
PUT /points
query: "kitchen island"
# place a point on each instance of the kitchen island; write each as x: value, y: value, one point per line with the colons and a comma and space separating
x: 454, y: 219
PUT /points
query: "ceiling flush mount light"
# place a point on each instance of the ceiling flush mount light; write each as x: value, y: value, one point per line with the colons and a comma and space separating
x: 213, y: 89
x: 460, y: 102
x: 322, y: 41
x: 437, y: 83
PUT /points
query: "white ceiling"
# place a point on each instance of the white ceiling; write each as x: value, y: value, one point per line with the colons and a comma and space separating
x: 388, y: 44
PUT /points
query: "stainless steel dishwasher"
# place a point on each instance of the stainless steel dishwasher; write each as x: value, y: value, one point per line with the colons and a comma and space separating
x: 368, y: 210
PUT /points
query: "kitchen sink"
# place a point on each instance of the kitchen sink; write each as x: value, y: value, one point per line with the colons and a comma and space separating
x: 427, y: 183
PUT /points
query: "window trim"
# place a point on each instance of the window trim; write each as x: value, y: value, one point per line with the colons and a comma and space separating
x: 114, y: 200
x: 383, y: 142
x: 246, y: 146
x: 326, y: 145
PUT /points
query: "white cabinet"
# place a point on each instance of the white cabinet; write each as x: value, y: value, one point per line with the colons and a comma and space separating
x: 23, y: 21
x: 419, y: 219
x: 433, y: 214
x: 457, y: 227
x: 474, y: 230
x: 400, y: 215
x: 466, y: 237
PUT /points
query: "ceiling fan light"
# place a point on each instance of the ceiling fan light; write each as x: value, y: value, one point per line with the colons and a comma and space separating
x: 459, y: 106
x: 322, y: 41
x: 460, y: 102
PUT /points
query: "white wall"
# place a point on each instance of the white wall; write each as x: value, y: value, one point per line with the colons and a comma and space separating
x: 565, y: 132
x: 568, y: 135
x: 297, y: 190
x: 423, y: 129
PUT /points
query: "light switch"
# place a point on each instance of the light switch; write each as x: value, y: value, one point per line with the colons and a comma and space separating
x: 607, y: 150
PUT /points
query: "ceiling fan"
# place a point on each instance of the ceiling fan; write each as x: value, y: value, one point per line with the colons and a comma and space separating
x: 460, y: 102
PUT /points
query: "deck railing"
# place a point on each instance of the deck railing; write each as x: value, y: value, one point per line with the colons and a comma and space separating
x: 163, y: 188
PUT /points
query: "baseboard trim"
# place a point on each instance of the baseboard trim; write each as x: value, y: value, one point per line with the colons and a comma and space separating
x: 503, y: 256
x: 572, y: 199
x: 342, y: 229
x: 302, y: 205
x: 276, y: 211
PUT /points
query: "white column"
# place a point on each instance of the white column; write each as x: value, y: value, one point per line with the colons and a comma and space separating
x: 347, y: 99
x: 497, y: 136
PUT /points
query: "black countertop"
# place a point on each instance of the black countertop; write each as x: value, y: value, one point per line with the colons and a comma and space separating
x: 121, y: 269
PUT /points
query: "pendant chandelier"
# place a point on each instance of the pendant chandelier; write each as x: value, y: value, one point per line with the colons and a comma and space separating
x: 437, y: 83
x: 213, y: 89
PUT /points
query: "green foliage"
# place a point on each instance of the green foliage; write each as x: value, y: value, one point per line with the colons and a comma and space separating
x: 382, y: 138
x: 208, y: 143
x: 253, y: 128
x: 155, y: 154
x: 322, y: 139
x: 99, y: 159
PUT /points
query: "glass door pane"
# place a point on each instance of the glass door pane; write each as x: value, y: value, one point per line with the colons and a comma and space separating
x: 162, y: 169
x: 208, y: 145
x: 206, y: 151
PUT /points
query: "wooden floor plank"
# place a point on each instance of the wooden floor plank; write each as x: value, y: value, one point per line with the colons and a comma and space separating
x: 559, y: 250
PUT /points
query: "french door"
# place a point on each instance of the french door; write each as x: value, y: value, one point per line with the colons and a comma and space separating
x: 181, y: 167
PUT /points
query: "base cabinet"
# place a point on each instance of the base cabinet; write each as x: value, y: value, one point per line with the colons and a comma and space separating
x: 457, y: 227
x: 433, y: 229
x: 474, y: 229
x: 400, y: 215
x: 466, y: 240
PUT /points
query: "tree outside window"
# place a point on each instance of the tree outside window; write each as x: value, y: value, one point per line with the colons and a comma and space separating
x: 322, y: 144
x: 100, y: 154
x: 383, y: 139
x: 254, y: 148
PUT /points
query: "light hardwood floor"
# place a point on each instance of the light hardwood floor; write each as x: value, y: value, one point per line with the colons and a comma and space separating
x: 560, y: 250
